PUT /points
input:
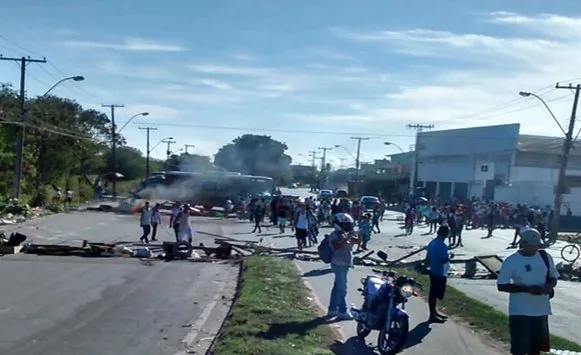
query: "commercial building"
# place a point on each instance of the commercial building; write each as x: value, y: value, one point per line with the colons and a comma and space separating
x: 496, y: 163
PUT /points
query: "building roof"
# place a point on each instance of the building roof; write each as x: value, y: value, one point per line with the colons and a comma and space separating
x: 542, y: 144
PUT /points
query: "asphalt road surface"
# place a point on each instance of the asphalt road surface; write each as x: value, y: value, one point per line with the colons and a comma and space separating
x: 71, y: 305
x: 424, y: 338
x: 111, y: 303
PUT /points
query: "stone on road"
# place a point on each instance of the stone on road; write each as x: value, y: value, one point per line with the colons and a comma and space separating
x: 450, y: 338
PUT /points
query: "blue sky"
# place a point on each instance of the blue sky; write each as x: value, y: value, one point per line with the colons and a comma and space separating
x: 333, y: 68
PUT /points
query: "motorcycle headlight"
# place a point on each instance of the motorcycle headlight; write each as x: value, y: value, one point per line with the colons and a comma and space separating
x: 406, y: 291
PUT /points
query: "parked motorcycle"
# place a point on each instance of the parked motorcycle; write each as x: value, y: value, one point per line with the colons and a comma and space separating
x: 384, y: 297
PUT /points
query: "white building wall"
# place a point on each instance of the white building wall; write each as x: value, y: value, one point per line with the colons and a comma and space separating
x: 536, y: 186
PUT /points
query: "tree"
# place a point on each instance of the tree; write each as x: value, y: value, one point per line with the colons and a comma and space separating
x: 8, y: 110
x: 256, y: 155
x: 130, y: 162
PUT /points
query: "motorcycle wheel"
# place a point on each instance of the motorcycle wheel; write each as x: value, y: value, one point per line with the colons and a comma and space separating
x: 362, y: 330
x: 391, y: 341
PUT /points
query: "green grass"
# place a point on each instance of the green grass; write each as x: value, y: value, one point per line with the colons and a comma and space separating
x: 481, y: 316
x: 272, y: 314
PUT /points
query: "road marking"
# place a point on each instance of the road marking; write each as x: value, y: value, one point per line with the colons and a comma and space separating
x: 201, y: 321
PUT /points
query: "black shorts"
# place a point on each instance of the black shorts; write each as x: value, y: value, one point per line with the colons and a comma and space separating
x: 529, y: 334
x: 437, y: 287
x: 301, y: 234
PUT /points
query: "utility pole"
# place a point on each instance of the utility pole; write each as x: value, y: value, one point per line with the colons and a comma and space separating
x: 186, y: 146
x: 147, y: 150
x: 323, y: 177
x: 20, y: 134
x: 567, y: 145
x: 113, y: 145
x: 313, y: 154
x: 357, y: 156
x: 419, y: 128
x: 169, y: 142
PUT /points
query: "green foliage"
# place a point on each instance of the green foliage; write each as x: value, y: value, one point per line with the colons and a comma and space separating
x: 273, y: 314
x: 14, y: 207
x: 256, y: 155
x: 130, y: 162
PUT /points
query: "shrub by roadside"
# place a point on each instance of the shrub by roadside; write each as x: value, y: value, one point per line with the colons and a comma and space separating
x: 273, y: 314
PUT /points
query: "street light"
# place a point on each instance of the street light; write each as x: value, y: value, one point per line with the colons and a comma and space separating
x: 567, y: 144
x: 528, y: 94
x: 347, y: 150
x: 73, y: 78
x: 395, y: 145
x: 20, y: 136
x: 130, y: 119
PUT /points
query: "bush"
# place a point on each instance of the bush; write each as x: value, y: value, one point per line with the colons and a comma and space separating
x: 14, y: 207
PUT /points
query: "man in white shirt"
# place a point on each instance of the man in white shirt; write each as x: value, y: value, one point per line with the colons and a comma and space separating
x: 530, y: 276
x: 174, y: 220
x: 145, y: 222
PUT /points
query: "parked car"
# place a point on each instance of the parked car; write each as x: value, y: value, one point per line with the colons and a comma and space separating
x: 325, y: 194
x: 341, y: 193
x: 369, y: 203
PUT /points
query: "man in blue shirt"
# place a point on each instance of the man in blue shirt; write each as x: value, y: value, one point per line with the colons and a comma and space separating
x: 438, y: 260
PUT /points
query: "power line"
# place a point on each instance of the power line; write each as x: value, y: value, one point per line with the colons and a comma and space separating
x: 278, y: 130
x: 60, y: 72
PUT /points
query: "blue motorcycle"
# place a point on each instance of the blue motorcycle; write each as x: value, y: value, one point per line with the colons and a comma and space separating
x: 384, y: 297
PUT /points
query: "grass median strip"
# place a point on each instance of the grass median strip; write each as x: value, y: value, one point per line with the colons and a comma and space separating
x: 482, y: 316
x: 273, y: 314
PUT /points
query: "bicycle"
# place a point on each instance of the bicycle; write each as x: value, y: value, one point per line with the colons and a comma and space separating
x: 571, y: 252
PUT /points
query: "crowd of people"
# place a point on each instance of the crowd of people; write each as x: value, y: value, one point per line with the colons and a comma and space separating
x: 306, y: 215
x: 476, y: 214
x: 528, y: 275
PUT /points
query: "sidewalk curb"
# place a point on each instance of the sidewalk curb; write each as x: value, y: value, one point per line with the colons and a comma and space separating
x: 319, y: 304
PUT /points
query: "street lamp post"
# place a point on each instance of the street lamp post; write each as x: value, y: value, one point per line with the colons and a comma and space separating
x: 131, y: 119
x: 395, y: 145
x: 73, y: 78
x: 567, y: 145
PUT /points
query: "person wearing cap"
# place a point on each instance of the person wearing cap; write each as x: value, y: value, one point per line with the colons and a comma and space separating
x: 529, y: 276
x: 439, y: 262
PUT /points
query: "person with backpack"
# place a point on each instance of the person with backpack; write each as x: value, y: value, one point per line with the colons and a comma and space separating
x: 337, y: 249
x: 529, y: 276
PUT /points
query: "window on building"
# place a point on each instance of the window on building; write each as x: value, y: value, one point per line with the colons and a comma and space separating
x: 483, y: 168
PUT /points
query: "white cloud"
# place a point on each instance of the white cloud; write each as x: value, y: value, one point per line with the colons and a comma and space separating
x: 156, y: 112
x: 231, y: 70
x: 216, y: 84
x: 480, y: 72
x: 243, y: 57
x: 132, y: 44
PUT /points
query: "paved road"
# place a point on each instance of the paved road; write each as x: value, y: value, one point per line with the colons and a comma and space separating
x: 564, y: 321
x: 424, y: 338
x: 72, y: 305
x: 106, y: 227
